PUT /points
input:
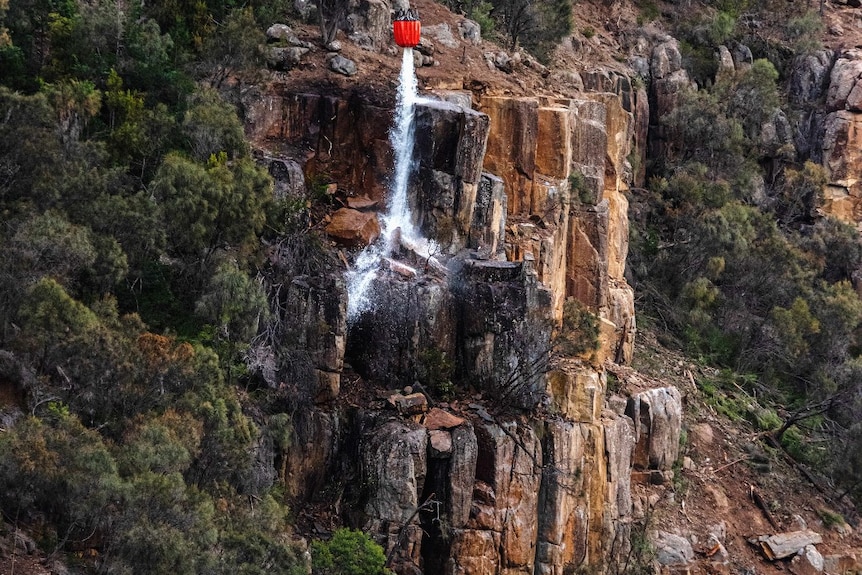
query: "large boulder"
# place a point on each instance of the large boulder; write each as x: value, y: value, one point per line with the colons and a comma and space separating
x: 442, y: 33
x: 341, y: 65
x: 368, y: 24
x: 284, y: 58
x: 666, y: 59
x: 808, y: 561
x: 353, y: 228
x: 284, y: 34
x: 470, y: 32
x: 809, y: 76
x: 726, y: 66
x: 288, y: 178
x: 846, y: 73
x: 671, y: 549
x: 657, y: 415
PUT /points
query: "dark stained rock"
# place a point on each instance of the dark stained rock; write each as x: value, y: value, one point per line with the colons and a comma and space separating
x: 450, y: 147
x: 347, y: 139
x: 809, y: 76
x: 307, y: 463
x: 505, y: 330
x: 284, y: 58
x: 406, y: 317
x: 313, y: 328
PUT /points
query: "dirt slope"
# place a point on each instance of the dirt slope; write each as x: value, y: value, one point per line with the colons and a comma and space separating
x: 726, y: 463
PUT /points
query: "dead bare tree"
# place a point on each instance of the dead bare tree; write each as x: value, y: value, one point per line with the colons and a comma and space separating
x: 331, y: 14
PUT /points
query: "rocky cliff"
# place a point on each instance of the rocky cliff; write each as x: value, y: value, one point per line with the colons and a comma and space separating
x: 445, y: 421
x: 526, y: 466
x: 824, y: 87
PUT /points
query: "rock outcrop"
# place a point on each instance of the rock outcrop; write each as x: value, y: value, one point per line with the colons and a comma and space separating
x: 524, y: 199
x: 563, y: 164
x: 826, y: 88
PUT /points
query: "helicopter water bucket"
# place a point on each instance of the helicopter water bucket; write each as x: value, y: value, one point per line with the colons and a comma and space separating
x: 406, y: 28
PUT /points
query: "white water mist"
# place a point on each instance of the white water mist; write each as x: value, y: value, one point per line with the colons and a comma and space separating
x: 402, y: 139
x: 397, y: 217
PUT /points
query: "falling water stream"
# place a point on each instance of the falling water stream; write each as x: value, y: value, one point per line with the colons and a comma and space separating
x: 397, y: 222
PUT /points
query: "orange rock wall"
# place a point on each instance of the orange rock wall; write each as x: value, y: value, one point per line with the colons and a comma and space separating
x: 578, y: 238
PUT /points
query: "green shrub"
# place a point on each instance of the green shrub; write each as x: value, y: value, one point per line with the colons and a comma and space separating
x: 794, y: 442
x: 481, y: 13
x: 724, y: 403
x: 805, y: 32
x: 699, y: 61
x: 349, y: 552
x: 734, y: 8
x: 721, y: 28
x: 435, y: 372
x: 649, y: 12
x: 581, y: 189
x: 766, y: 419
x: 830, y: 518
x: 579, y: 332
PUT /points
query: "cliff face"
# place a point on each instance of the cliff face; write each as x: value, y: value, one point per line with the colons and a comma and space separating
x: 826, y: 87
x: 529, y: 471
x: 524, y: 197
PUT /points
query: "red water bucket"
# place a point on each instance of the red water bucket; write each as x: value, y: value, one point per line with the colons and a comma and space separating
x: 406, y: 32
